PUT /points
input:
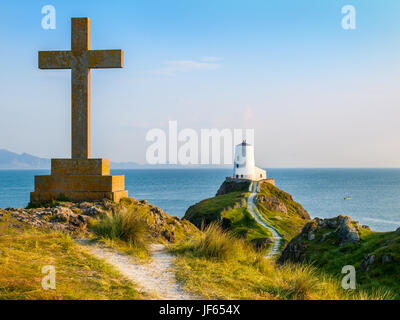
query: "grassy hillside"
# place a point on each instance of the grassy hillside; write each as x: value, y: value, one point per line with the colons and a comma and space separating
x: 331, y: 246
x: 219, y: 266
x: 384, y: 268
x: 24, y: 251
x: 229, y: 207
x: 33, y: 238
x: 281, y: 211
x: 209, y: 210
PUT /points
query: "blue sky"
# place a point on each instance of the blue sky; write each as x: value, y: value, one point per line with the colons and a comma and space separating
x: 316, y: 95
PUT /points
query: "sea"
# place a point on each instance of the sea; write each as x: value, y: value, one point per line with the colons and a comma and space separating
x: 373, y: 195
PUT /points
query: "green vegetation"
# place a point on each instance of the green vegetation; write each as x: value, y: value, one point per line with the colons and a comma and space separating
x: 132, y: 225
x: 128, y: 225
x: 217, y: 243
x: 219, y: 266
x: 280, y: 210
x: 383, y: 272
x: 231, y: 209
x: 44, y: 204
x: 24, y: 251
x: 276, y: 207
x: 126, y: 230
x: 244, y: 226
x: 210, y: 210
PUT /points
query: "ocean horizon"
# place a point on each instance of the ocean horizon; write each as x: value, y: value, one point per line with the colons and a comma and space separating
x: 374, y: 193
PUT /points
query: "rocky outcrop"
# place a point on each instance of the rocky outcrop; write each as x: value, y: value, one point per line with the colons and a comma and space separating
x: 275, y: 199
x: 169, y: 228
x: 232, y: 186
x: 66, y: 217
x: 335, y: 231
x: 272, y: 203
x: 73, y: 218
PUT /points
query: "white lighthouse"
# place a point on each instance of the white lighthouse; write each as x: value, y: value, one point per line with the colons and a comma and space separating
x: 245, y: 167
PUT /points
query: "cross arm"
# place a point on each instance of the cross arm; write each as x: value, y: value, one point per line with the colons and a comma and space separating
x: 106, y: 59
x: 54, y: 59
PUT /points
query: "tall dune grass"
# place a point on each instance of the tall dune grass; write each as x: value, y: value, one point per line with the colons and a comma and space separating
x: 124, y: 224
x: 219, y: 265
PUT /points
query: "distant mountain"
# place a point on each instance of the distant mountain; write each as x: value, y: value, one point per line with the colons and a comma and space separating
x: 11, y: 160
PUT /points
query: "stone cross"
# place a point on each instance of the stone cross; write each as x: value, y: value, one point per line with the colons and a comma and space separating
x: 80, y: 60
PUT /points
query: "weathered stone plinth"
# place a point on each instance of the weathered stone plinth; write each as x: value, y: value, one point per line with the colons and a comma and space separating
x: 79, y: 180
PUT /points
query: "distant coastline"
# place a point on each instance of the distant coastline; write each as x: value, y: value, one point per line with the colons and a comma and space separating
x: 14, y: 161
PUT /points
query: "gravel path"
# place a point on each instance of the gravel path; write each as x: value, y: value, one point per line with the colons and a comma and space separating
x: 276, y: 237
x: 155, y: 278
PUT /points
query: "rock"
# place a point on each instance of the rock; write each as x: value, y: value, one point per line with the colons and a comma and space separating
x: 169, y: 235
x: 233, y: 185
x: 85, y: 205
x: 156, y: 210
x: 347, y: 230
x: 341, y: 230
x: 93, y: 211
x: 272, y: 203
x: 79, y: 221
x: 62, y: 211
x: 366, y: 227
x: 367, y: 261
x: 61, y: 214
x: 387, y: 259
x: 324, y: 236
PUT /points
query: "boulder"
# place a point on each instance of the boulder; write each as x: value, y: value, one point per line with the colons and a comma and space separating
x: 169, y: 235
x: 367, y: 261
x: 347, y: 230
x: 93, y: 211
x: 340, y: 230
x: 272, y: 203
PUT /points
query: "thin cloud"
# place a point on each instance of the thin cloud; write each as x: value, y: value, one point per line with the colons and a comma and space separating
x: 210, y: 59
x: 172, y: 68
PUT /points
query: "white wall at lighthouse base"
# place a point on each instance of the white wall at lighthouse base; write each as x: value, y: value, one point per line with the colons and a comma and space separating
x: 259, y: 174
x: 256, y: 174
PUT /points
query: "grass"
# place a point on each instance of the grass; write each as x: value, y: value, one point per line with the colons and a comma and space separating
x: 219, y: 266
x: 244, y: 226
x: 124, y: 224
x: 288, y: 225
x: 242, y: 223
x: 216, y: 243
x: 231, y: 206
x: 125, y: 229
x: 24, y: 251
x: 332, y: 259
x: 209, y: 210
